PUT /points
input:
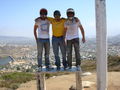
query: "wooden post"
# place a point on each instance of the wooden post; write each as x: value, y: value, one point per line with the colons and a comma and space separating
x: 78, y: 81
x: 101, y: 44
x: 41, y: 81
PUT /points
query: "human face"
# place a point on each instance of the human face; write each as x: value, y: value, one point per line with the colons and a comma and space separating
x: 57, y: 16
x: 70, y: 15
x: 43, y: 15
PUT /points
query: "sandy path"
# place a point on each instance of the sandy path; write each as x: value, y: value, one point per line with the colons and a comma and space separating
x: 65, y: 81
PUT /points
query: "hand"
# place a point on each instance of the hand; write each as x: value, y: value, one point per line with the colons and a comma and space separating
x: 83, y: 40
x: 65, y: 40
x: 76, y: 19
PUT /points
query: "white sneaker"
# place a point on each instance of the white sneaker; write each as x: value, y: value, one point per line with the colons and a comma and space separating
x: 49, y: 68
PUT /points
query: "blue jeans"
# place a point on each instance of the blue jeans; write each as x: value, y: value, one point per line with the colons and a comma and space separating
x: 70, y: 44
x: 43, y: 43
x: 56, y: 43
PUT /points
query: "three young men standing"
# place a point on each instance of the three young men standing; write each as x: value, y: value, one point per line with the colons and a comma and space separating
x: 60, y: 27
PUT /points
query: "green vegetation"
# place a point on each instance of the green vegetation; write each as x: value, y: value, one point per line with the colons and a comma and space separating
x: 88, y: 65
x: 48, y: 75
x: 113, y: 64
x: 13, y: 80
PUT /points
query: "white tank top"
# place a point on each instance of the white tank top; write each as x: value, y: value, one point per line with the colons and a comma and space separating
x: 43, y: 28
x: 72, y: 29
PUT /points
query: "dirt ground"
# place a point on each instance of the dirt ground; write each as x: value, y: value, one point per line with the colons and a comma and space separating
x: 65, y: 81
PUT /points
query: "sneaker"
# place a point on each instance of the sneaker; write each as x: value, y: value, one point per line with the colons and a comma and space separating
x: 49, y: 68
x: 78, y: 68
x: 58, y: 68
x: 39, y: 69
x: 65, y: 67
x: 70, y: 67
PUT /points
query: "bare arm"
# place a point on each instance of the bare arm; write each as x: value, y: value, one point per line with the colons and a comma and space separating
x: 82, y: 32
x: 65, y: 30
x: 76, y: 19
x: 35, y: 32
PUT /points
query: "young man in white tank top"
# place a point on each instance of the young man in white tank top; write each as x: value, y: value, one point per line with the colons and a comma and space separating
x: 72, y: 37
x: 41, y: 33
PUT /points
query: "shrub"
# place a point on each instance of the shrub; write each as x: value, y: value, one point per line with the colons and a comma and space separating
x: 13, y: 80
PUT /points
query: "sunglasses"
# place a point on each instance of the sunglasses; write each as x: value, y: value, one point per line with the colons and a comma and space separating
x: 43, y: 13
x: 70, y: 13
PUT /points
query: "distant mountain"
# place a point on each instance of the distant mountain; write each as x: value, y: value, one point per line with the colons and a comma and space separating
x: 16, y: 40
x: 115, y: 40
x: 25, y: 40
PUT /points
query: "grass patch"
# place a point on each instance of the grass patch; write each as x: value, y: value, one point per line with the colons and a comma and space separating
x: 48, y: 75
x: 13, y: 80
x: 114, y: 63
x: 88, y: 65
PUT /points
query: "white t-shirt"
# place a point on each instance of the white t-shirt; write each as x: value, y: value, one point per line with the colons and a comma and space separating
x: 43, y: 28
x: 72, y: 29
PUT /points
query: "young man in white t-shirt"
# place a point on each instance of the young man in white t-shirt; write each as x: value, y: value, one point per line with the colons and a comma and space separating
x: 41, y: 33
x: 72, y: 37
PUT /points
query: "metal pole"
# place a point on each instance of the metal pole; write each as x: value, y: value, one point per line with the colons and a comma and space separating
x: 101, y: 40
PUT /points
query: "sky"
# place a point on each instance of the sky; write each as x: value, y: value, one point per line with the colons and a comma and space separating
x: 17, y: 16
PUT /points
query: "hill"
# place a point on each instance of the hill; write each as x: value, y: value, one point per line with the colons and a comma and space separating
x: 16, y: 40
x: 114, y: 40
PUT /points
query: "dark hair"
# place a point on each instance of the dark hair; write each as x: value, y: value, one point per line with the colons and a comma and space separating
x: 70, y: 11
x: 43, y: 11
x: 57, y: 12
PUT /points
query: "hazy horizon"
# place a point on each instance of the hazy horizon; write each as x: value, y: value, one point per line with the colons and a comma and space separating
x: 51, y: 36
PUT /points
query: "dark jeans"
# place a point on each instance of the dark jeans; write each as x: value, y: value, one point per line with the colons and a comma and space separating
x: 56, y: 43
x: 43, y: 43
x: 70, y: 44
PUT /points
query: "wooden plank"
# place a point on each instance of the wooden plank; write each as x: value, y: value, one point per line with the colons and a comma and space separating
x: 40, y: 81
x: 101, y: 41
x: 78, y: 81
